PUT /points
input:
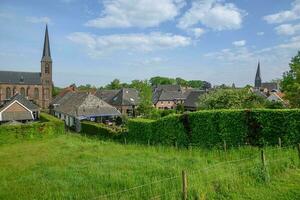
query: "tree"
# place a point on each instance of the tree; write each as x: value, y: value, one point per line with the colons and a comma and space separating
x: 230, y: 99
x: 115, y: 84
x: 290, y: 84
x: 158, y: 80
x: 145, y: 93
x: 195, y: 83
x: 181, y: 81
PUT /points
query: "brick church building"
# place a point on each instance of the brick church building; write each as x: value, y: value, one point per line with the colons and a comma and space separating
x: 35, y: 86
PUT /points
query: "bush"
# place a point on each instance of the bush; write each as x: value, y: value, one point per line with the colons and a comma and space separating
x: 48, y: 125
x: 140, y: 130
x: 211, y: 128
x: 101, y: 130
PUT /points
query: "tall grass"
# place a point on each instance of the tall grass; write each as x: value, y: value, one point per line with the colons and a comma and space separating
x: 72, y: 166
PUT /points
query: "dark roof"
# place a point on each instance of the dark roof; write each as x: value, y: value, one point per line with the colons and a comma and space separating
x: 193, y: 98
x: 46, y: 51
x: 61, y: 99
x: 106, y: 95
x: 125, y: 97
x: 270, y: 86
x: 165, y: 95
x: 23, y: 115
x: 167, y: 87
x: 82, y: 105
x: 26, y: 78
x: 21, y: 99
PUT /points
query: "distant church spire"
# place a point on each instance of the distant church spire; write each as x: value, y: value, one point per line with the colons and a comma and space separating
x: 258, y: 77
x: 46, y: 52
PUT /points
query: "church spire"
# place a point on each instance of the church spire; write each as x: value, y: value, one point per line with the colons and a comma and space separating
x: 46, y: 52
x: 257, y: 76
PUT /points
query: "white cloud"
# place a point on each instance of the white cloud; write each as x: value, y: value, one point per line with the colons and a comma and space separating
x: 287, y: 29
x: 260, y: 33
x: 136, y: 13
x: 36, y: 20
x: 239, y: 43
x: 98, y: 45
x: 197, y: 32
x: 286, y: 15
x: 214, y: 14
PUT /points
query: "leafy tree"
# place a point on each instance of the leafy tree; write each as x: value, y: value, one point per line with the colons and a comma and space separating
x: 115, y: 84
x: 291, y: 82
x: 180, y: 81
x: 230, y: 99
x: 86, y: 87
x: 158, y: 80
x: 56, y: 90
x: 145, y: 93
x: 195, y: 83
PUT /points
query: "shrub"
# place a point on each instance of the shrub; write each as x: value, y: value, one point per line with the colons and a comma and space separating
x: 211, y: 128
x: 140, y: 130
x: 48, y: 125
x: 101, y: 130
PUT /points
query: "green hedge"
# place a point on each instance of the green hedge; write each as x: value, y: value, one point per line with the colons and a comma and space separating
x: 140, y: 130
x: 47, y: 125
x: 101, y: 130
x: 212, y: 128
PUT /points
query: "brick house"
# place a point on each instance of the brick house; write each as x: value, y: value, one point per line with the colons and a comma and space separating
x: 125, y: 100
x: 18, y: 108
x: 36, y: 86
x: 74, y: 107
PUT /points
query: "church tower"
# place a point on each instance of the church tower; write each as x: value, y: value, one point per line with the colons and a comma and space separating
x: 46, y: 72
x: 257, y: 83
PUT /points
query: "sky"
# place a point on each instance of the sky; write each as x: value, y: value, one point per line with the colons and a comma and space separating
x: 95, y: 41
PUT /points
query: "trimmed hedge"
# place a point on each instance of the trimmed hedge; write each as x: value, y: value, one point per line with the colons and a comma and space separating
x: 48, y: 125
x: 211, y: 128
x: 101, y: 130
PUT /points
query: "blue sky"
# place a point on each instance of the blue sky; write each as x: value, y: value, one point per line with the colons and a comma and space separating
x: 95, y: 41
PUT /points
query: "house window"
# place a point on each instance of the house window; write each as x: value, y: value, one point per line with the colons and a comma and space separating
x: 22, y: 91
x: 8, y: 93
x: 14, y: 90
x: 27, y: 91
x: 36, y: 93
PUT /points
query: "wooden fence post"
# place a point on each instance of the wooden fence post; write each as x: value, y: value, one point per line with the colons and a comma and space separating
x: 279, y: 142
x: 264, y: 166
x: 125, y: 142
x: 184, y: 185
x: 298, y: 147
x: 225, y: 146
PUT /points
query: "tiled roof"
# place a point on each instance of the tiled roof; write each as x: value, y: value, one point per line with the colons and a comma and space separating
x: 26, y: 78
x: 167, y: 87
x: 106, y: 95
x: 82, y: 104
x: 28, y: 104
x: 125, y: 97
x: 270, y: 86
x: 193, y: 98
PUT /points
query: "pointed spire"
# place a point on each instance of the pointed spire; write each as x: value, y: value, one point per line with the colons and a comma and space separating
x: 46, y: 51
x: 257, y: 76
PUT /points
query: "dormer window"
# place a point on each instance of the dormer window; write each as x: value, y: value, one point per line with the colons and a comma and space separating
x: 21, y: 79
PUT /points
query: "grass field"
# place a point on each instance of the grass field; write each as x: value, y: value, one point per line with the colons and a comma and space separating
x: 72, y: 166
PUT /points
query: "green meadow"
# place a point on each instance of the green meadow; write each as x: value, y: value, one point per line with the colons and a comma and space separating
x: 73, y: 166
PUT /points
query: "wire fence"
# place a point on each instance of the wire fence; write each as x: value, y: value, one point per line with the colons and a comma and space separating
x: 231, y: 168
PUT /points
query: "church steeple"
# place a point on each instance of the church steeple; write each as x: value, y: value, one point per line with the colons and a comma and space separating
x: 258, y: 77
x: 46, y: 51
